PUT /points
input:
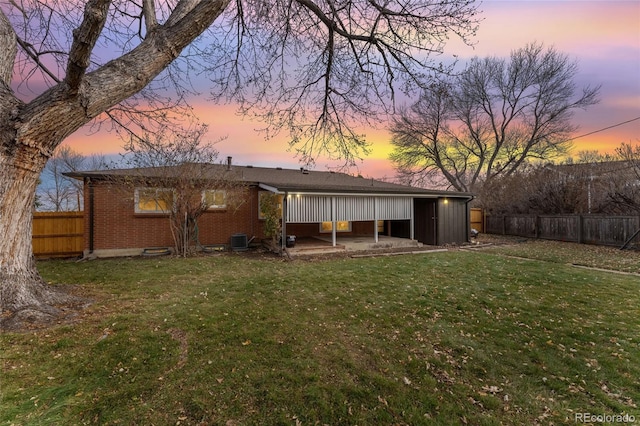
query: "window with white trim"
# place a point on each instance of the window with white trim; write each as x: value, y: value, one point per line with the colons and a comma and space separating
x: 214, y: 199
x: 153, y: 200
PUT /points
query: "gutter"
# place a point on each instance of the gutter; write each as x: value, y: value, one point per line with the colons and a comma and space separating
x: 271, y: 189
x: 278, y: 191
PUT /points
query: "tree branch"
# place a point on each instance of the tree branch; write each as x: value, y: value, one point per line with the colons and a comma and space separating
x: 9, y: 50
x: 149, y: 12
x: 84, y: 40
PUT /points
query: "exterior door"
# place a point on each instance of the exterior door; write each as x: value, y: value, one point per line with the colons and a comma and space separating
x: 426, y: 220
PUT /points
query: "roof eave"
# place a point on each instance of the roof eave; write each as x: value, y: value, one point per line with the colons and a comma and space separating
x: 355, y: 192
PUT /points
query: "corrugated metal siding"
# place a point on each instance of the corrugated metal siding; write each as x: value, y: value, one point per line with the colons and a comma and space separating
x: 453, y: 218
x: 308, y: 209
x: 312, y: 209
x: 355, y: 208
x: 394, y: 208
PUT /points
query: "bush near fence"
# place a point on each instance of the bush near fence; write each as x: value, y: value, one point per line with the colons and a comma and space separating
x: 58, y: 234
x: 587, y: 229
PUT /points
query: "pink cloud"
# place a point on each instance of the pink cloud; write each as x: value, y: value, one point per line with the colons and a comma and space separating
x: 604, y: 36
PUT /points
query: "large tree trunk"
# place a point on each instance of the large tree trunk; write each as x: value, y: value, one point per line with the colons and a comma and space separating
x: 22, y: 291
x: 26, y: 142
x: 29, y: 132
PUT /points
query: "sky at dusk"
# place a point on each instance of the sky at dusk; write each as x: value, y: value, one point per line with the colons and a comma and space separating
x: 602, y: 36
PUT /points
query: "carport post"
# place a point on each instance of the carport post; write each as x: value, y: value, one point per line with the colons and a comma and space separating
x: 334, y: 223
x: 283, y: 236
x: 375, y: 219
x: 411, y: 221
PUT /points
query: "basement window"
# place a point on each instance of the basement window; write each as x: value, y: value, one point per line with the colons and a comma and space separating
x: 153, y: 200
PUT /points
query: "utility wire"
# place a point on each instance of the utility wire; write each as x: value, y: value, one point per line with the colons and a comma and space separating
x: 603, y: 129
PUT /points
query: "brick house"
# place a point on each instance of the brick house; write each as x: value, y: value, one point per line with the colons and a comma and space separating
x: 124, y: 220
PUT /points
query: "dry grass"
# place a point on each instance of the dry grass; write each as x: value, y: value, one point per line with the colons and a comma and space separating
x: 603, y: 257
x: 445, y: 338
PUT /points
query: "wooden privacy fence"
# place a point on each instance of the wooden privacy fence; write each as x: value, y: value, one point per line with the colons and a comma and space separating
x: 477, y: 219
x: 58, y: 234
x: 588, y: 229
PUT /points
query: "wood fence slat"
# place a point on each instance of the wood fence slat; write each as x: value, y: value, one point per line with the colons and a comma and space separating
x: 589, y: 229
x: 58, y: 234
x: 477, y: 219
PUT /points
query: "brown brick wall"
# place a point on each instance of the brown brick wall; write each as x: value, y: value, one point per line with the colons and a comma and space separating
x: 217, y: 226
x: 117, y: 226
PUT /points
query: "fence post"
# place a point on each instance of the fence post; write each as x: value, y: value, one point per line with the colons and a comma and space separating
x: 537, y: 227
x: 504, y: 225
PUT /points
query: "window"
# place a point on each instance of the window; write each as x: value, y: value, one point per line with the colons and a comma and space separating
x: 214, y: 199
x: 153, y: 200
x: 341, y: 226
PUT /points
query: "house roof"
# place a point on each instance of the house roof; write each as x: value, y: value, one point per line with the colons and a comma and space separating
x: 280, y: 180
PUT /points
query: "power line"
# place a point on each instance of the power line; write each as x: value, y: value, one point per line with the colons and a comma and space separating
x: 603, y: 129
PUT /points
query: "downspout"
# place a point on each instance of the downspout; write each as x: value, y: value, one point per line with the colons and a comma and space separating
x: 468, y: 221
x: 252, y: 217
x: 91, y: 220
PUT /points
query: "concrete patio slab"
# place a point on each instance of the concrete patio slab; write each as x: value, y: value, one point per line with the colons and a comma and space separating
x: 323, y: 245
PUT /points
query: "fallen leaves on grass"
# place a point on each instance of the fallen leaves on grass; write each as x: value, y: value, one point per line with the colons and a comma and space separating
x: 628, y: 401
x: 490, y: 389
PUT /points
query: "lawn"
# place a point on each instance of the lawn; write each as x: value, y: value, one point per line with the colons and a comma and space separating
x: 603, y: 257
x: 457, y: 337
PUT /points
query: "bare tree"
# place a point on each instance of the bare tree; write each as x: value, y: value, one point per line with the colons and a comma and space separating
x: 593, y: 183
x: 58, y: 192
x: 538, y: 189
x: 590, y: 156
x: 173, y: 169
x: 311, y: 65
x: 55, y: 192
x: 630, y: 154
x: 624, y: 186
x: 490, y: 119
